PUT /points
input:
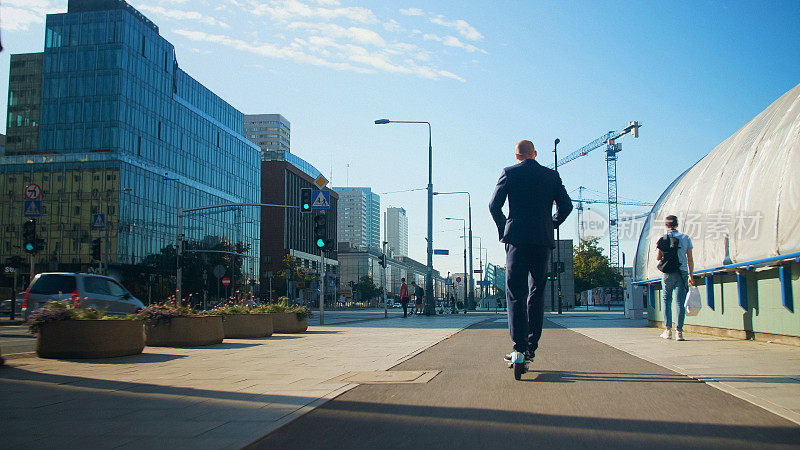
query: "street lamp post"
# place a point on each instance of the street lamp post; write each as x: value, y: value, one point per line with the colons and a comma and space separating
x: 466, y: 276
x: 471, y: 276
x: 429, y: 291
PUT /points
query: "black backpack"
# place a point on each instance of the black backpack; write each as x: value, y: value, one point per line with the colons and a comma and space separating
x: 669, y: 246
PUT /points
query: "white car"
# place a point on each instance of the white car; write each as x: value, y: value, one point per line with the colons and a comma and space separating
x: 80, y: 289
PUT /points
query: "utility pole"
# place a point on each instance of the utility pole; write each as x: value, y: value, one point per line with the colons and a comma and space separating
x: 322, y: 287
x: 558, y: 234
x: 383, y: 284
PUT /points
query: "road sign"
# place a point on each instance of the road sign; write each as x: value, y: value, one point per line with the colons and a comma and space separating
x: 226, y: 281
x: 33, y: 191
x: 98, y: 221
x: 483, y: 283
x: 321, y: 181
x: 478, y: 271
x: 458, y: 279
x: 321, y: 199
x: 33, y: 208
x: 448, y: 282
x: 441, y: 251
x: 219, y: 270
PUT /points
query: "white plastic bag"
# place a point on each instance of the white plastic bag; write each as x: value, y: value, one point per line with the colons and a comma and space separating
x: 693, y: 304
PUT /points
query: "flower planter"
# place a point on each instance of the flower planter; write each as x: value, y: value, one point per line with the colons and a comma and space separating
x: 185, y: 332
x: 243, y: 326
x: 288, y: 323
x: 82, y: 339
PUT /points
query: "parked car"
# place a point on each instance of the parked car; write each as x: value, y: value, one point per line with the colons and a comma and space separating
x: 5, y: 306
x: 80, y: 289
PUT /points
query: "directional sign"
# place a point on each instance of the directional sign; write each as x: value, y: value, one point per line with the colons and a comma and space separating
x: 33, y: 191
x: 483, y: 283
x: 478, y: 271
x: 321, y: 181
x: 98, y: 221
x: 320, y: 199
x: 226, y: 281
x: 33, y: 208
x: 441, y: 251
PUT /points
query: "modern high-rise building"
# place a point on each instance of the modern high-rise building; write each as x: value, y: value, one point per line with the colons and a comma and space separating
x: 116, y: 137
x: 396, y: 228
x: 271, y: 132
x: 359, y: 217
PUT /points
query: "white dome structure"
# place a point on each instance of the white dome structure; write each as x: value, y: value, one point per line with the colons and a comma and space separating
x: 741, y: 202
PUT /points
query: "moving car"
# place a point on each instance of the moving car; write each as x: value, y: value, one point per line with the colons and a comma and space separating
x: 80, y: 289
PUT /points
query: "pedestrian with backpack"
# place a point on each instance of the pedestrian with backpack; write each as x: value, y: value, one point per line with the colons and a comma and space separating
x: 674, y: 255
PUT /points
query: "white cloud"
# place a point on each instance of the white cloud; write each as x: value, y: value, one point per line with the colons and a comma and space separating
x: 329, y: 2
x: 355, y: 34
x: 411, y: 12
x: 392, y: 26
x: 183, y: 15
x: 466, y: 30
x: 18, y: 15
x: 285, y: 10
x: 452, y: 41
x: 327, y: 52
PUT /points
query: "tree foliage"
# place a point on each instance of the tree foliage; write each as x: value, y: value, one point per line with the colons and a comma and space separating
x: 592, y: 268
x: 367, y: 288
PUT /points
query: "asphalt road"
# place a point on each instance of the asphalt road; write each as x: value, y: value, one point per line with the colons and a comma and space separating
x: 580, y: 394
x: 16, y: 339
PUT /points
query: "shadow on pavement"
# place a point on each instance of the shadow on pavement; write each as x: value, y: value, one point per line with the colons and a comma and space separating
x: 143, y: 358
x: 557, y: 376
x: 393, y: 425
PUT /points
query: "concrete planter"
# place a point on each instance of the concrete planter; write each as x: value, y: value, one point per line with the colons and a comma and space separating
x: 82, y: 339
x: 243, y: 326
x: 185, y: 332
x: 288, y: 323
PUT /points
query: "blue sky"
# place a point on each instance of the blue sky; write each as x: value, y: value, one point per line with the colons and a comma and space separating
x: 485, y: 77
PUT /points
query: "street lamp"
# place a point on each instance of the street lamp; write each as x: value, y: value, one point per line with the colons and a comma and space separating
x: 471, y: 276
x: 429, y: 292
x: 467, y: 278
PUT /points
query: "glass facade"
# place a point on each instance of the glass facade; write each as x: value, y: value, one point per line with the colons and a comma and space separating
x: 127, y: 133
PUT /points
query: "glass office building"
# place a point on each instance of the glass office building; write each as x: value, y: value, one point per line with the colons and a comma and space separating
x: 125, y: 133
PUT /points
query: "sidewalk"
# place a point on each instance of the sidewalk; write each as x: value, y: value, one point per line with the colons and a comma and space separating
x: 766, y: 375
x: 221, y: 396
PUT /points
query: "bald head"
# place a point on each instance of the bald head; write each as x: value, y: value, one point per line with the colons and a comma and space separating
x: 525, y: 150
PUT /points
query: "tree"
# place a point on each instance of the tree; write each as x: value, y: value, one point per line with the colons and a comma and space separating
x: 367, y: 288
x: 592, y: 268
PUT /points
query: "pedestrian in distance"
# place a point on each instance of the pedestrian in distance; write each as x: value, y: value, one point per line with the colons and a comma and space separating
x: 674, y: 256
x: 527, y: 233
x: 404, y: 296
x: 419, y: 298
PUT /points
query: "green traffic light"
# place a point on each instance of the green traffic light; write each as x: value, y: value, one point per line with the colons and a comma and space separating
x: 29, y: 247
x: 320, y: 243
x: 306, y: 206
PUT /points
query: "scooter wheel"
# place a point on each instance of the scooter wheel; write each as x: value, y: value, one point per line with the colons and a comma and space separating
x: 519, y: 369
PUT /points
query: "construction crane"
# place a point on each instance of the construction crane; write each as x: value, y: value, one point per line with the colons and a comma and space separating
x: 612, y: 148
x: 581, y: 200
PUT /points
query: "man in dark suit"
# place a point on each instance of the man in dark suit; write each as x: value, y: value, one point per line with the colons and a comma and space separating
x: 527, y: 233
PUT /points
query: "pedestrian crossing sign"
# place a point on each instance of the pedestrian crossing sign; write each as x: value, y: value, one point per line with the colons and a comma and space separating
x: 33, y: 208
x: 98, y: 221
x: 321, y: 199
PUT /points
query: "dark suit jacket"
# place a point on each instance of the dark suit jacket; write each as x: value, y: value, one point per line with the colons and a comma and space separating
x: 531, y: 190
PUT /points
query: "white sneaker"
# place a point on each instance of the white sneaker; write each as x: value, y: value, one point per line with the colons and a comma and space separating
x: 678, y: 336
x: 667, y: 334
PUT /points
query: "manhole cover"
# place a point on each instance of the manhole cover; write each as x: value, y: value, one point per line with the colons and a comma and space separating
x: 384, y: 377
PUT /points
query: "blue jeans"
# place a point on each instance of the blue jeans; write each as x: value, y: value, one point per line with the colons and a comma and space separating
x: 669, y: 282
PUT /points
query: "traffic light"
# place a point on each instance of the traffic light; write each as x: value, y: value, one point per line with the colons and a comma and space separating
x: 321, y: 239
x: 96, y: 249
x: 382, y: 260
x: 29, y: 236
x: 305, y: 200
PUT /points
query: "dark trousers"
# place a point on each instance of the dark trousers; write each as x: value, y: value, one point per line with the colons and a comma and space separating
x: 526, y: 275
x: 404, y: 302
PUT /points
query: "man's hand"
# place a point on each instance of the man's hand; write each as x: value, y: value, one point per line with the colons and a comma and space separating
x: 691, y: 281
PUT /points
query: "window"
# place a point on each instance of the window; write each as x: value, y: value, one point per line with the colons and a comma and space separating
x: 53, y: 284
